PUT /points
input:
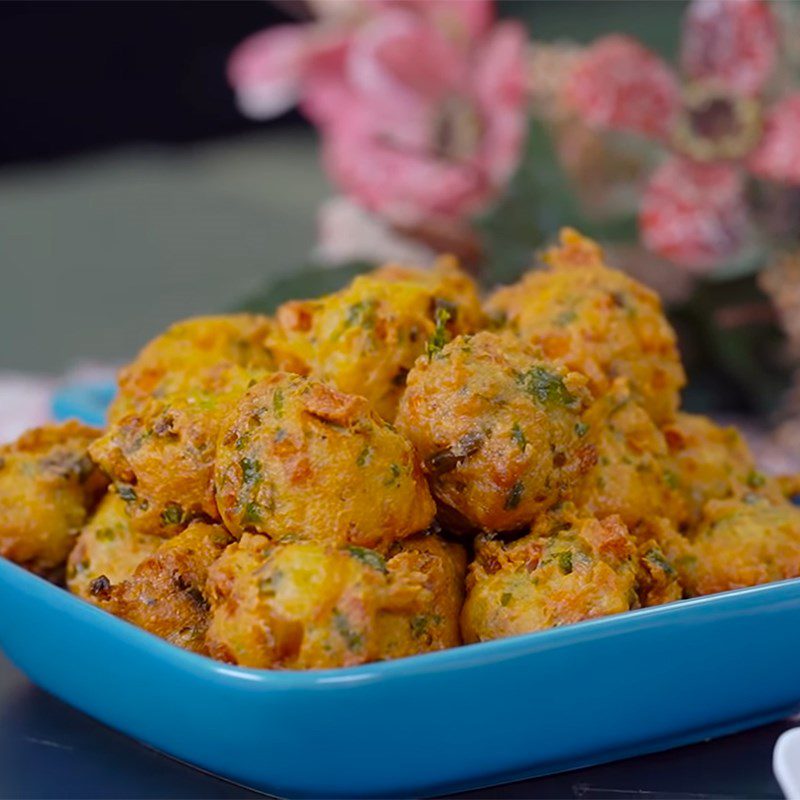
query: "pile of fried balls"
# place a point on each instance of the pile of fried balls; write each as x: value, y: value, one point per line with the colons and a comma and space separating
x: 398, y: 468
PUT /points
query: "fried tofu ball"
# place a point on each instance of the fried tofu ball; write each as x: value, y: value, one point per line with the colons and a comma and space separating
x: 175, y: 360
x: 161, y: 458
x: 297, y: 457
x: 738, y: 543
x: 633, y: 475
x: 165, y: 595
x: 412, y: 626
x: 365, y: 338
x: 48, y: 485
x: 107, y: 546
x: 597, y: 320
x: 714, y: 462
x: 566, y: 570
x: 311, y: 605
x: 498, y: 430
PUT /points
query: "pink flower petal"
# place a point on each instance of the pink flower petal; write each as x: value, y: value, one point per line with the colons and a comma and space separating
x: 732, y: 42
x: 266, y: 69
x: 620, y: 85
x: 400, y: 58
x: 777, y: 156
x: 694, y: 214
x: 460, y: 20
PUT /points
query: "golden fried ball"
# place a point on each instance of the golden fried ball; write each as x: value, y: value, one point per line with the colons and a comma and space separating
x: 714, y: 462
x: 48, y: 485
x: 498, y: 430
x: 297, y: 457
x: 365, y: 338
x: 107, y: 547
x: 738, y: 543
x: 312, y: 605
x: 427, y: 595
x: 597, y: 320
x: 161, y: 457
x: 566, y: 570
x: 175, y: 360
x: 632, y: 474
x: 165, y: 595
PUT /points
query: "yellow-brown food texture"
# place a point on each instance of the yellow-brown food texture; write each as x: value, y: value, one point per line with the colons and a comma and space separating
x: 298, y: 458
x: 566, y: 570
x: 714, y: 462
x: 175, y: 360
x: 737, y: 543
x: 365, y: 338
x: 632, y: 472
x: 166, y: 595
x: 107, y: 547
x: 498, y: 430
x: 313, y: 605
x: 597, y: 320
x: 48, y: 485
x: 161, y: 457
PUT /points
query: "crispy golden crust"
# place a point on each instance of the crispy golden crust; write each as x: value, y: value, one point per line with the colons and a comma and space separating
x: 175, y: 360
x: 566, y: 570
x: 738, y: 543
x: 597, y: 320
x: 166, y: 593
x: 297, y: 457
x: 632, y: 474
x: 365, y: 338
x: 48, y: 484
x: 107, y: 546
x: 309, y: 605
x: 161, y: 458
x: 712, y: 462
x: 497, y: 429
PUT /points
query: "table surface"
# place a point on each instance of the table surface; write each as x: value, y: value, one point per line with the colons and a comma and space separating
x: 49, y: 750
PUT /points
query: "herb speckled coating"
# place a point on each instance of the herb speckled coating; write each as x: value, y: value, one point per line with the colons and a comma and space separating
x: 495, y: 427
x: 297, y: 457
x: 48, y: 485
x: 314, y: 605
x: 597, y: 320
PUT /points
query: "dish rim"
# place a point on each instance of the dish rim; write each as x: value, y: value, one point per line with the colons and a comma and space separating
x: 461, y: 657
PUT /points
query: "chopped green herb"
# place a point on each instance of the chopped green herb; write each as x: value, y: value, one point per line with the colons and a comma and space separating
x: 368, y: 557
x: 581, y: 429
x: 172, y: 514
x: 105, y: 535
x: 364, y: 457
x: 546, y: 387
x: 755, y: 479
x: 565, y: 317
x: 353, y: 639
x: 671, y: 479
x: 439, y: 338
x: 126, y: 492
x: 251, y: 470
x: 514, y: 496
x: 394, y: 469
x: 505, y: 598
x: 565, y: 561
x: 518, y: 435
x: 252, y: 513
x: 656, y: 557
x: 277, y: 403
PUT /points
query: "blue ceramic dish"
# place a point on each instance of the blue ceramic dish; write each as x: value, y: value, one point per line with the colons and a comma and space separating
x: 436, y: 723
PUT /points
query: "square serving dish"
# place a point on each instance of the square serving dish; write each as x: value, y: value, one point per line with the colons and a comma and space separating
x: 473, y: 716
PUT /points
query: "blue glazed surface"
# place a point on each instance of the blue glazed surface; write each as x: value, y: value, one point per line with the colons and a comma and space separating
x: 468, y: 717
x: 86, y: 401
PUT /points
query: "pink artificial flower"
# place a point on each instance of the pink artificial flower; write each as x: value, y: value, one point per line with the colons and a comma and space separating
x: 693, y: 209
x: 421, y: 103
x: 432, y: 128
